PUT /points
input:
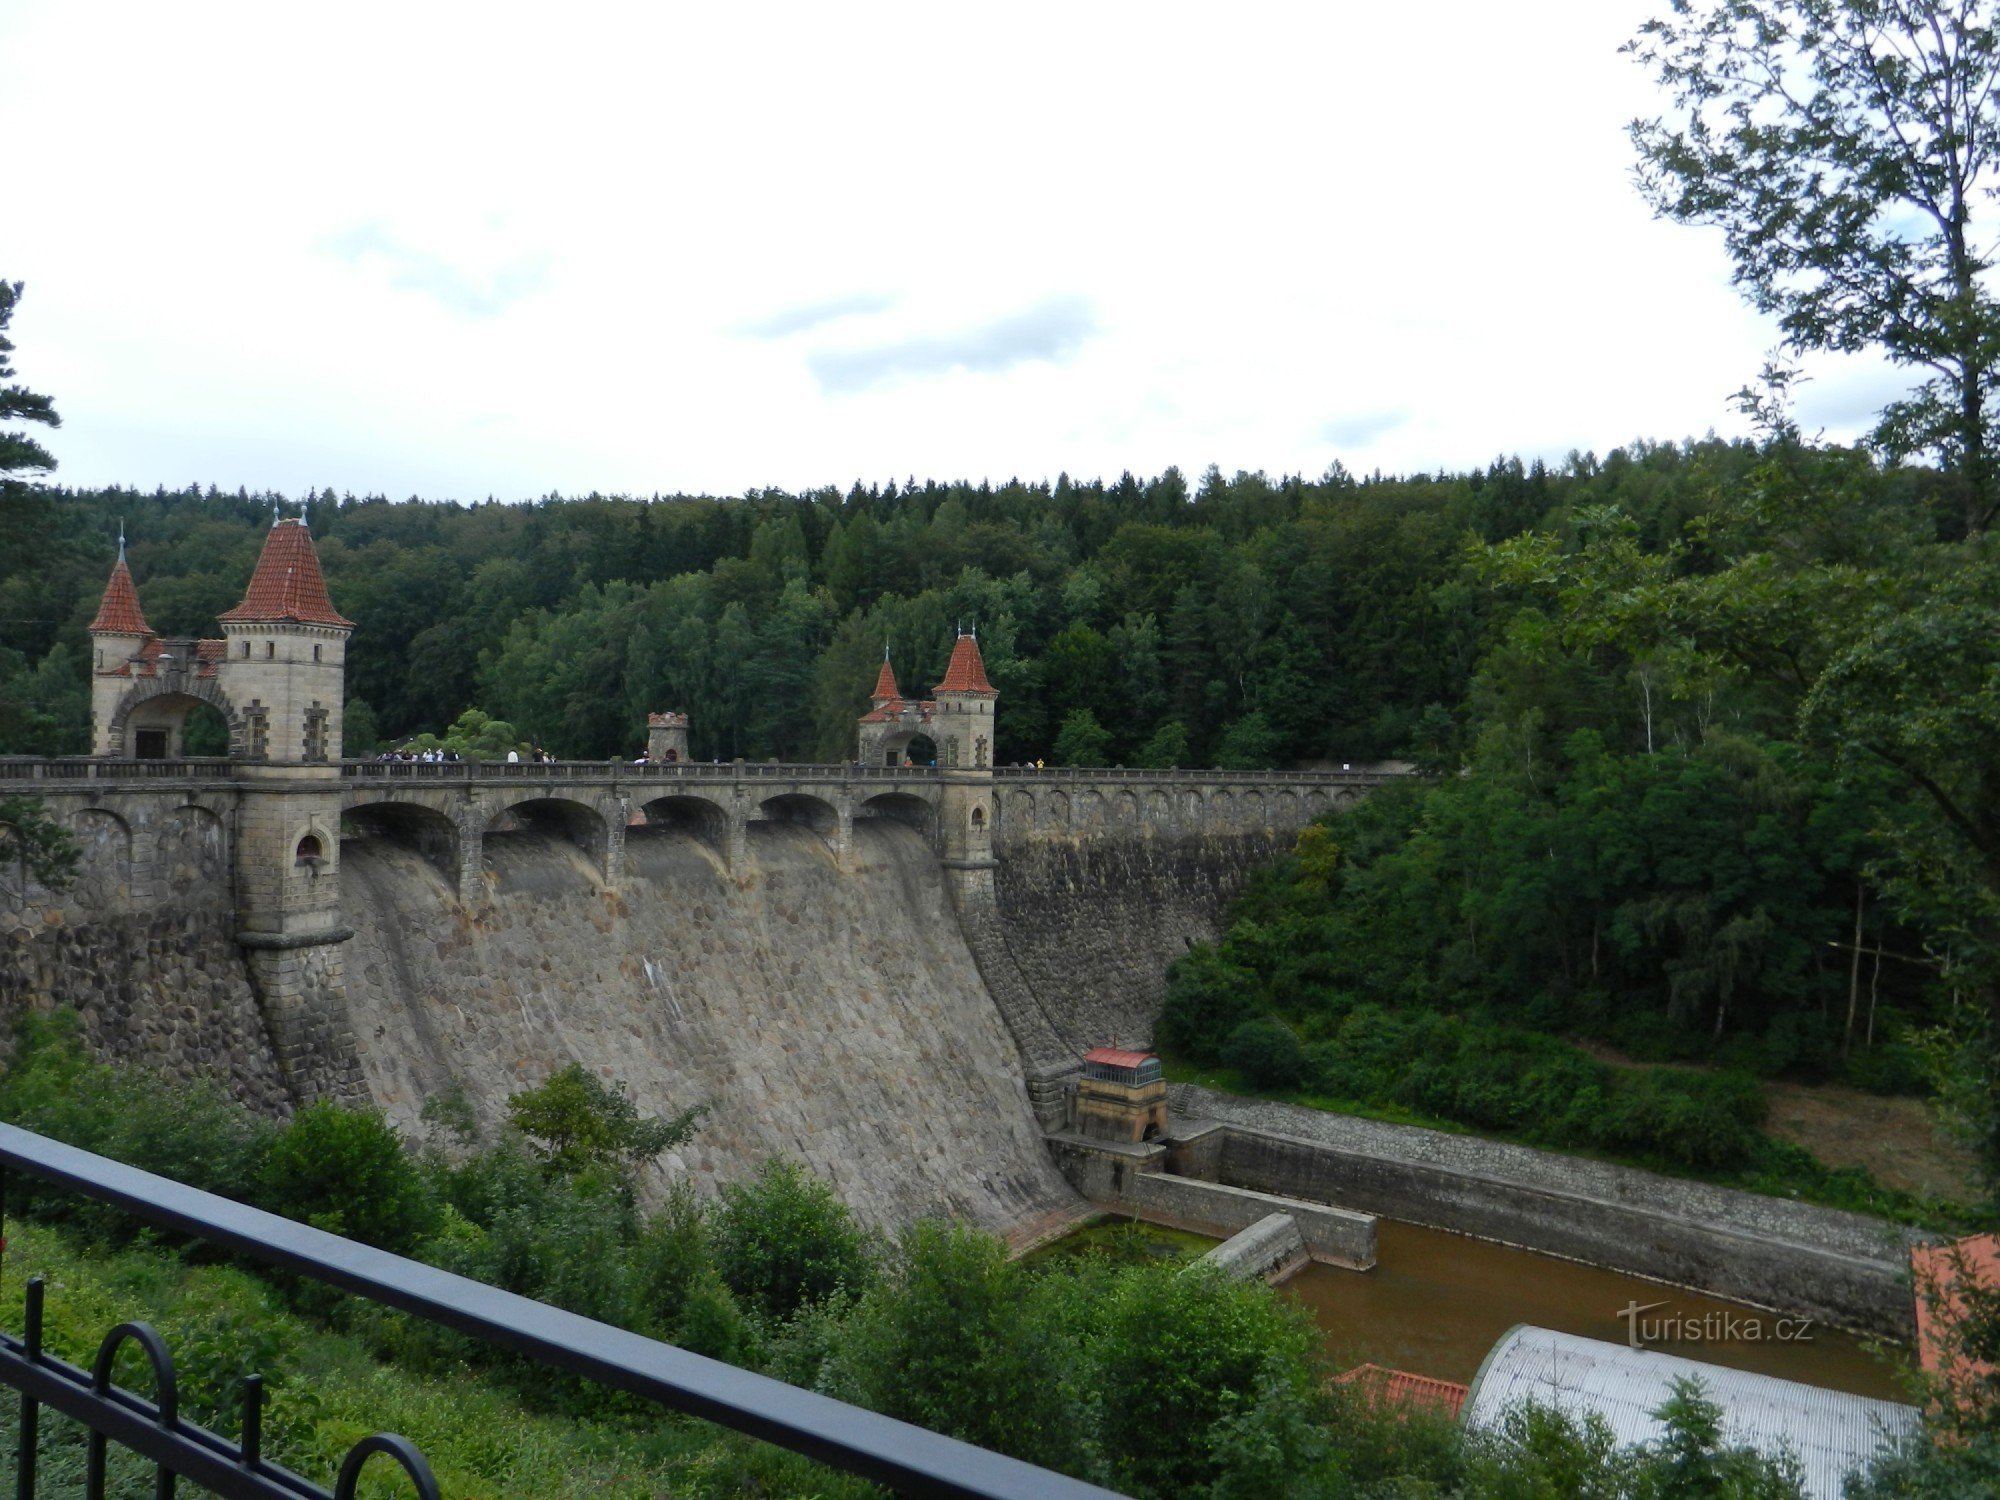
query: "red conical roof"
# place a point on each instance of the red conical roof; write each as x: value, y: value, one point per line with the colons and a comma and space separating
x: 120, y: 614
x: 967, y: 672
x: 885, y: 684
x: 287, y: 584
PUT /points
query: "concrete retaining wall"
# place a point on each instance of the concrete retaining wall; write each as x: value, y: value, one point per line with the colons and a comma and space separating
x: 1133, y: 1180
x: 1841, y: 1268
x: 1269, y: 1250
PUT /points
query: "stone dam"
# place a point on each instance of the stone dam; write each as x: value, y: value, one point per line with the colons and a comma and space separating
x: 794, y: 948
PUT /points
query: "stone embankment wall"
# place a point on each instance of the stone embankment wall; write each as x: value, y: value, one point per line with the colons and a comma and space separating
x: 142, y: 947
x: 1134, y: 1180
x: 1841, y: 1268
x: 1091, y: 922
x: 1269, y: 1250
x: 822, y: 1012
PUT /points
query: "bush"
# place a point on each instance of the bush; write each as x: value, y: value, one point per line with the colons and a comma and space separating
x: 783, y: 1241
x: 1208, y: 997
x: 345, y: 1171
x: 1176, y: 1352
x: 1267, y: 1053
x: 959, y: 1339
x: 192, y: 1132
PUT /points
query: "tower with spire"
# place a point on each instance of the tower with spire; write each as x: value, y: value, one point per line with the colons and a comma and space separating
x: 958, y: 719
x: 277, y: 676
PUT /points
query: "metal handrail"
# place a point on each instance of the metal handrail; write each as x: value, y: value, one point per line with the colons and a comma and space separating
x: 906, y: 1458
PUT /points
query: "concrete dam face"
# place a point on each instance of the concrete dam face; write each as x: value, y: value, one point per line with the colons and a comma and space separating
x: 829, y: 1013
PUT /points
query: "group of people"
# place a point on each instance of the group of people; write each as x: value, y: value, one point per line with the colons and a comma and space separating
x: 436, y: 755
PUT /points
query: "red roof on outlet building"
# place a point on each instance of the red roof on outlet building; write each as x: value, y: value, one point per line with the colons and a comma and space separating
x: 967, y: 672
x: 1115, y: 1057
x: 120, y: 614
x: 287, y: 585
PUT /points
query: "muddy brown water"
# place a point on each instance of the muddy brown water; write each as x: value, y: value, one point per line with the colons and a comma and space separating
x: 1436, y: 1303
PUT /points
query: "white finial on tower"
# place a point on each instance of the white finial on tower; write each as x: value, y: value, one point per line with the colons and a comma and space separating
x: 121, y: 540
x: 274, y: 510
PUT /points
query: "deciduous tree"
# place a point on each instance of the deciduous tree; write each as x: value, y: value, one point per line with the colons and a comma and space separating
x: 1844, y: 148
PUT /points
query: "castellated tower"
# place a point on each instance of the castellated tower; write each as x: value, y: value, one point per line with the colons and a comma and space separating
x: 277, y: 677
x: 961, y: 723
x: 282, y: 670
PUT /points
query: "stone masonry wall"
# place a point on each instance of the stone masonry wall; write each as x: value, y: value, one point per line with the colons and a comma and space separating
x: 142, y: 948
x: 1092, y: 923
x: 824, y: 1011
x: 165, y: 991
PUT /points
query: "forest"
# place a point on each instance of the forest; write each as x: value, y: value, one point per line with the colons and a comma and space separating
x: 1673, y: 791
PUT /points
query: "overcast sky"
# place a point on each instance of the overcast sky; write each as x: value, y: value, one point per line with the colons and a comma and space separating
x: 461, y: 251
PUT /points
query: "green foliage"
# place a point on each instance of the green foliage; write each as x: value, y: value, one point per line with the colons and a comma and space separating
x: 575, y: 1122
x: 1178, y: 1351
x: 1082, y: 741
x: 345, y: 1171
x: 20, y: 453
x: 783, y: 1242
x: 964, y: 1341
x: 1267, y: 1053
x: 192, y: 1132
x: 1845, y: 150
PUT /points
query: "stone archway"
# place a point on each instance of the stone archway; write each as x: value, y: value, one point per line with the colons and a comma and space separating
x: 160, y: 706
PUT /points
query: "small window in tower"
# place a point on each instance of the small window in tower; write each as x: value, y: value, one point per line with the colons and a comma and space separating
x: 310, y: 853
x: 315, y: 653
x: 979, y: 820
x: 246, y: 649
x: 270, y: 650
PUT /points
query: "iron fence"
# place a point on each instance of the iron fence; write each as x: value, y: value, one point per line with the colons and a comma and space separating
x: 907, y: 1459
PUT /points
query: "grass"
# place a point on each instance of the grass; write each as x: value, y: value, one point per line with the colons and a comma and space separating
x: 327, y: 1391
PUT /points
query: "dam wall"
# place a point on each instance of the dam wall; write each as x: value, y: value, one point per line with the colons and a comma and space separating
x: 821, y: 1009
x: 143, y: 948
x: 1091, y: 923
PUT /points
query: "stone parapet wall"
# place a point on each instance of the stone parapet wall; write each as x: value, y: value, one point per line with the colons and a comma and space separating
x: 1842, y: 1268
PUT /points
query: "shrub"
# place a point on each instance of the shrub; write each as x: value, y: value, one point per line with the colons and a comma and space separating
x: 783, y: 1241
x: 1267, y: 1053
x: 192, y: 1132
x: 577, y: 1123
x: 1208, y: 997
x: 1178, y: 1351
x: 958, y: 1339
x: 345, y: 1171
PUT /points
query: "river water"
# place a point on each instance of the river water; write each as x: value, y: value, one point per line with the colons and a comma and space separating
x: 1436, y: 1303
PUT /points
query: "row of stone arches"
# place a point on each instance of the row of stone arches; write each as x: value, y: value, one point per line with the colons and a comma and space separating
x: 124, y: 861
x: 597, y: 827
x: 1187, y: 809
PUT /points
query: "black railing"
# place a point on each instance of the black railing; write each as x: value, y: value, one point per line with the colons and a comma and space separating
x: 907, y: 1459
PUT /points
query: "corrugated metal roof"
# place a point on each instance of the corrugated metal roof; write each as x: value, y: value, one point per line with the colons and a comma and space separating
x: 1830, y: 1431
